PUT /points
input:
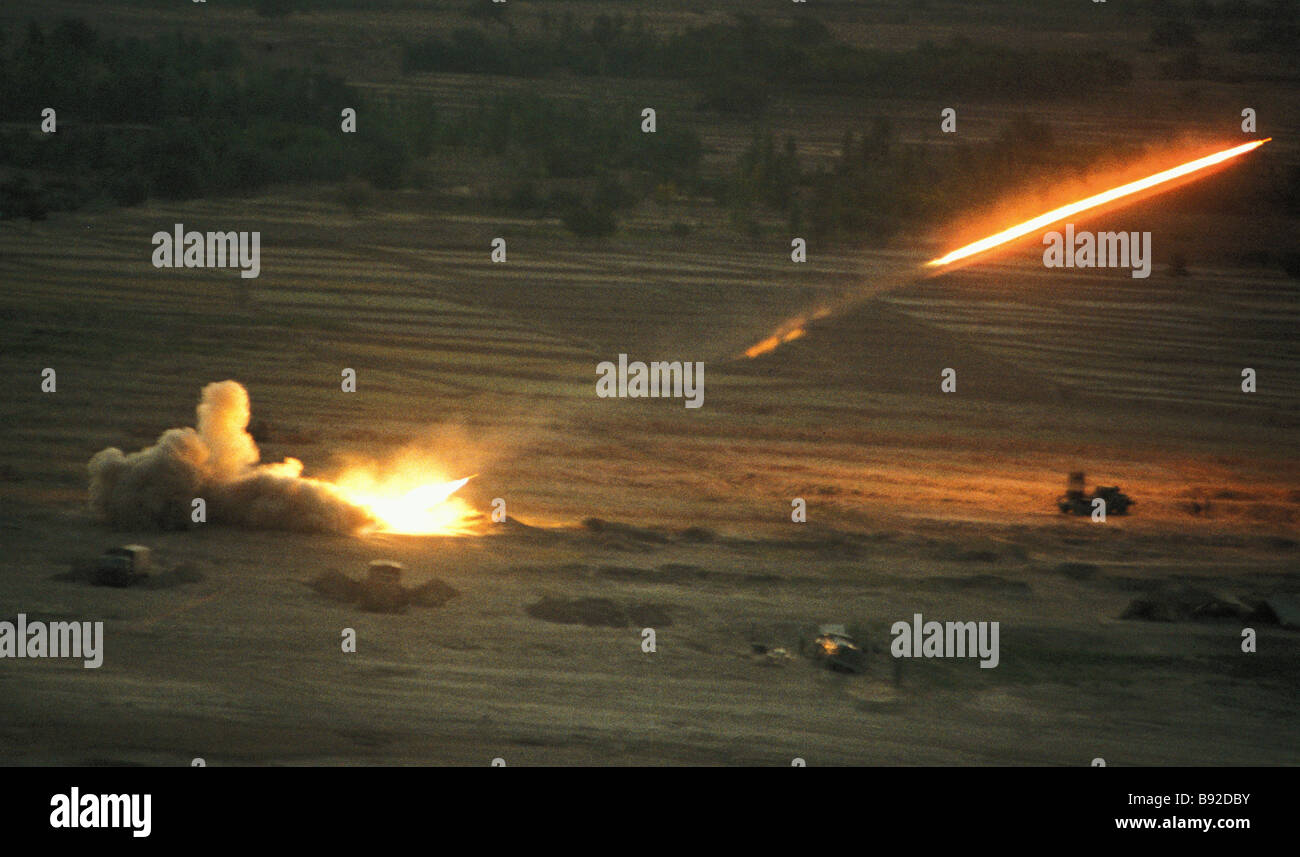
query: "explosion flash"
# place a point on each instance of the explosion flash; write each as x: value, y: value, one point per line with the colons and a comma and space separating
x: 219, y: 463
x: 1042, y: 221
x: 401, y: 503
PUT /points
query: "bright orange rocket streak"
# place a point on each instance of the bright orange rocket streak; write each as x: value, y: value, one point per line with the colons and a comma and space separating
x: 1044, y: 220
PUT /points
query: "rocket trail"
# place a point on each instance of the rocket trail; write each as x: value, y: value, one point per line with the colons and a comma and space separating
x: 1116, y: 193
x: 796, y: 327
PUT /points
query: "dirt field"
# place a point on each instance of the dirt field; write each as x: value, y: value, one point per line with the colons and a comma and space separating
x: 917, y: 502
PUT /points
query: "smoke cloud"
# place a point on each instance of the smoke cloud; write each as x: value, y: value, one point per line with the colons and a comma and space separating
x: 218, y: 462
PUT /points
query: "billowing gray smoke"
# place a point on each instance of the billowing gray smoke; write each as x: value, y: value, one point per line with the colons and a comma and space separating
x: 219, y: 463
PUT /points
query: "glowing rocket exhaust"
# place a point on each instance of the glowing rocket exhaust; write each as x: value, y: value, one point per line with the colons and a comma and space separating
x: 1042, y: 221
x: 776, y: 340
x: 795, y: 328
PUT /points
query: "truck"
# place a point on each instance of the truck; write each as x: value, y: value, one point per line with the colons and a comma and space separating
x: 1075, y: 501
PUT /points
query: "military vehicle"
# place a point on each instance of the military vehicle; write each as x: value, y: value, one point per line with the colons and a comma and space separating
x: 123, y: 566
x: 837, y: 650
x: 1075, y: 501
x: 382, y: 592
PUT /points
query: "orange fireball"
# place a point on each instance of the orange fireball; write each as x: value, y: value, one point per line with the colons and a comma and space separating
x: 403, y: 501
